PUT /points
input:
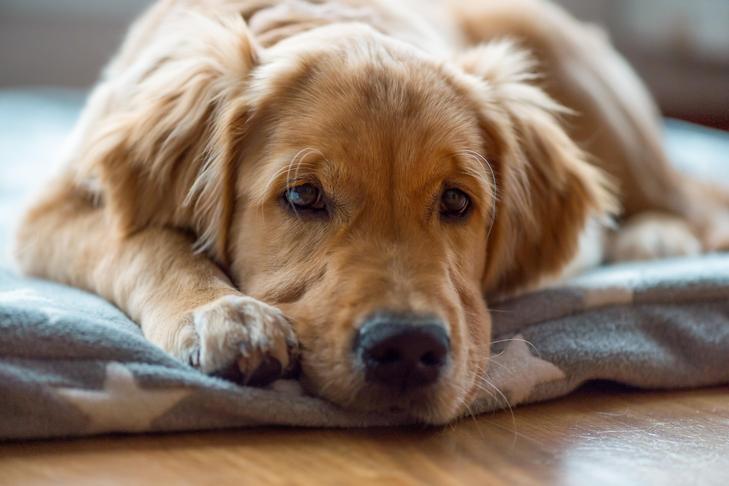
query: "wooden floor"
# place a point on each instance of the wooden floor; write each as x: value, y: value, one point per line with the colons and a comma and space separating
x: 600, y: 435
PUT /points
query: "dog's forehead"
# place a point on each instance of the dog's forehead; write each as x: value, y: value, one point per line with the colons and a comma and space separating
x: 380, y: 119
x: 373, y: 117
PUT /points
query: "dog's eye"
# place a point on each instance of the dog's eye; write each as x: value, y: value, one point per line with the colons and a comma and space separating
x: 306, y: 197
x: 454, y: 203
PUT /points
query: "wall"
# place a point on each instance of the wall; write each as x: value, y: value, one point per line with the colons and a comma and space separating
x: 60, y: 42
x: 680, y: 47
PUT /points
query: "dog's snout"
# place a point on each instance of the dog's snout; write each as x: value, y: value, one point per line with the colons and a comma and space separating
x: 403, y: 351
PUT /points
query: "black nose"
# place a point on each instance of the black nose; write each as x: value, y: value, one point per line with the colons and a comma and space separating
x: 403, y: 351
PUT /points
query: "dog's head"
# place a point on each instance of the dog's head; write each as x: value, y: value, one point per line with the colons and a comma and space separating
x: 376, y: 195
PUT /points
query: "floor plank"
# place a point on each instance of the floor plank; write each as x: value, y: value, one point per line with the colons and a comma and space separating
x: 603, y: 434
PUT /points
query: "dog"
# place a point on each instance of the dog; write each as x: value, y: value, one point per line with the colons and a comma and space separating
x: 336, y: 189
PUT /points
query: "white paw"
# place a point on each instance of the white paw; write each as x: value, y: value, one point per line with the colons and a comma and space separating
x: 243, y: 339
x: 716, y: 235
x: 652, y: 236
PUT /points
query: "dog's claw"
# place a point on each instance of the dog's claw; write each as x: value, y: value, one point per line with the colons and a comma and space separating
x: 268, y: 371
x: 194, y: 358
x: 230, y: 373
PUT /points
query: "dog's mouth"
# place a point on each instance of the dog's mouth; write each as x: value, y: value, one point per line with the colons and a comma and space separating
x: 434, y: 404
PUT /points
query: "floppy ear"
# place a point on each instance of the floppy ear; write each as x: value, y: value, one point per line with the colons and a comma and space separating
x: 164, y: 140
x: 546, y: 189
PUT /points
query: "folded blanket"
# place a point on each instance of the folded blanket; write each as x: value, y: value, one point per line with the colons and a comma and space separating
x: 72, y: 364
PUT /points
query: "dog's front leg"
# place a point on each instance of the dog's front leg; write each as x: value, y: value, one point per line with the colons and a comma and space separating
x: 184, y: 303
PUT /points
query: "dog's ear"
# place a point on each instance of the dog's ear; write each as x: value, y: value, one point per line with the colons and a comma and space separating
x: 164, y: 133
x: 546, y: 188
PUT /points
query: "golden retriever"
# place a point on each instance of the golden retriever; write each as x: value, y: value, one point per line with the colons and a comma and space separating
x: 335, y: 186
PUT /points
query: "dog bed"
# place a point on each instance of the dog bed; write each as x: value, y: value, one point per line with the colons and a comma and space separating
x: 72, y: 364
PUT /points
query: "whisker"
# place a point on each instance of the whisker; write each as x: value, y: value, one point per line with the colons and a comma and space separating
x: 486, y: 381
x: 295, y: 164
x: 470, y: 413
x: 501, y: 311
x: 297, y: 160
x: 527, y: 342
x: 485, y: 162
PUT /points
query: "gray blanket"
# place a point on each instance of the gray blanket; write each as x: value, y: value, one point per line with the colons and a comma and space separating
x: 72, y: 364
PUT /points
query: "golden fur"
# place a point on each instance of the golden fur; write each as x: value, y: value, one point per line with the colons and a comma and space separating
x: 170, y: 201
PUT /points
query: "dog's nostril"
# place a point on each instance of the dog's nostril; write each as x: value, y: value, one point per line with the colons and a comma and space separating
x: 431, y: 359
x: 388, y: 356
x: 402, y: 351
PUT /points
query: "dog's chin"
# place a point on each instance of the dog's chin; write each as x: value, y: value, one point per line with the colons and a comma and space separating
x: 433, y: 405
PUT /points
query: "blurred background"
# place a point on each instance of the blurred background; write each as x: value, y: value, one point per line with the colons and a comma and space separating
x: 680, y: 47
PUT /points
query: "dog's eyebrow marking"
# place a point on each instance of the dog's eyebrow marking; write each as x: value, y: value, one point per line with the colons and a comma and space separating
x: 297, y: 161
x: 294, y: 166
x: 290, y: 172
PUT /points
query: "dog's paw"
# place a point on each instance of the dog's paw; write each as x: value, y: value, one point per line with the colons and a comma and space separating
x: 653, y: 236
x: 244, y: 340
x: 716, y: 233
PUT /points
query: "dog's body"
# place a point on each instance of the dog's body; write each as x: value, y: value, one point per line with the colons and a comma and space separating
x: 370, y: 172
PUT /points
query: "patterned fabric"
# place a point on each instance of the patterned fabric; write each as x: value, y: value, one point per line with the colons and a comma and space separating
x: 71, y: 364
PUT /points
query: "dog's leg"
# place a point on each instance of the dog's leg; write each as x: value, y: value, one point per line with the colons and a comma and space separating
x: 184, y: 303
x: 651, y: 235
x: 615, y: 118
x: 648, y: 236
